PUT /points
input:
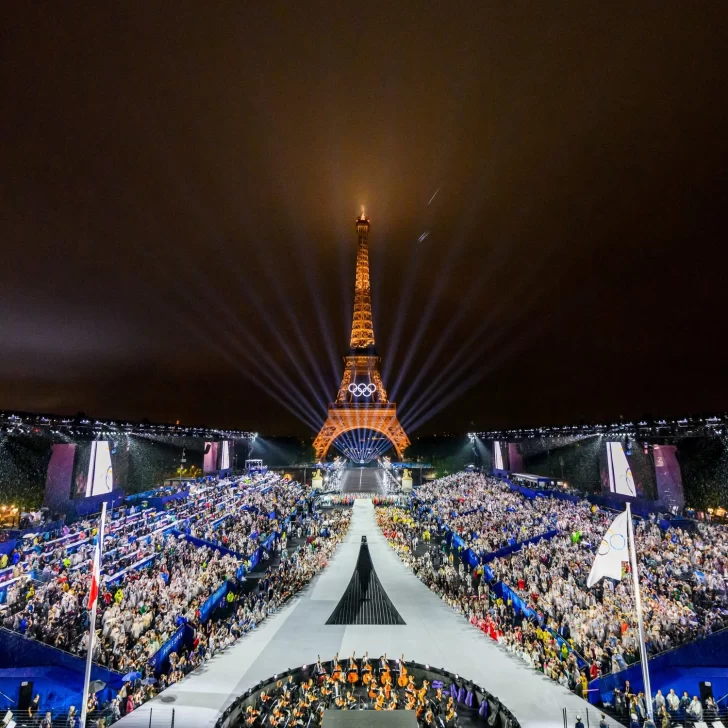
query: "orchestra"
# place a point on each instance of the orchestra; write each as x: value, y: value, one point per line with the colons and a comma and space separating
x: 290, y: 705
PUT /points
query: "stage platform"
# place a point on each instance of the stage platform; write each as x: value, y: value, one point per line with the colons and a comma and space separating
x: 433, y: 634
x: 369, y: 719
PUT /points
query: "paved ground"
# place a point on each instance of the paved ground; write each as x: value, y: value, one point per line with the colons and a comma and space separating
x: 433, y: 634
x: 364, y: 480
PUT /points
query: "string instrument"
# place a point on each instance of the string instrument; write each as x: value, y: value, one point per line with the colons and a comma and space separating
x: 320, y: 672
x: 379, y: 702
x: 366, y: 670
x: 419, y: 712
x: 422, y: 692
x: 410, y: 702
x: 429, y: 718
x: 373, y: 690
x: 388, y: 690
x: 340, y: 702
x: 450, y: 715
x: 336, y: 670
x: 402, y: 680
x: 352, y: 671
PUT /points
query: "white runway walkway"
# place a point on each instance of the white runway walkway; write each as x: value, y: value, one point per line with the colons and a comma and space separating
x: 434, y: 634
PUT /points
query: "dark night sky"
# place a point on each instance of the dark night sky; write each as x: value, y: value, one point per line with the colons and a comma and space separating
x: 179, y: 185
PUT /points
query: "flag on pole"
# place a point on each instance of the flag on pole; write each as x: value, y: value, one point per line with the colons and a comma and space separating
x: 611, y: 553
x: 93, y: 594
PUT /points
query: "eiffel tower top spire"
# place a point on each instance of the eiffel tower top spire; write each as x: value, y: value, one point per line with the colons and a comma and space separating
x: 362, y: 327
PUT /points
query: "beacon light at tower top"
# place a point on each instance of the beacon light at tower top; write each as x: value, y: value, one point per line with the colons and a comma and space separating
x: 362, y: 422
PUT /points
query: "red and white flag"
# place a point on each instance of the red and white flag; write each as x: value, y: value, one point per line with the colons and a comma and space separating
x: 95, y: 579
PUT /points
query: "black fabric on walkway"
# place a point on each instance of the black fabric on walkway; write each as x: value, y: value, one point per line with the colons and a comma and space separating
x: 365, y: 601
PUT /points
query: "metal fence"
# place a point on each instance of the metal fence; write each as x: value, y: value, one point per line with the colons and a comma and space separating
x: 142, y: 717
x: 592, y: 717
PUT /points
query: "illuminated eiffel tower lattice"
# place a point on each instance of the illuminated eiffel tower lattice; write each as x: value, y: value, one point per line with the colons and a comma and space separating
x: 362, y: 404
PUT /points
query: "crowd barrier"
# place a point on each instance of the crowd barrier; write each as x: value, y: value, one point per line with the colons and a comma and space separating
x: 115, y: 579
x: 159, y: 502
x: 159, y: 661
x: 507, y: 550
x: 80, y: 508
x: 42, y: 528
x: 681, y: 668
x: 18, y: 651
x: 202, y: 543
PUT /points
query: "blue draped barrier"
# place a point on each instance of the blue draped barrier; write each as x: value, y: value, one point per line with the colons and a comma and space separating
x: 185, y: 634
x: 548, y: 535
x: 201, y: 543
x: 83, y: 507
x: 681, y: 669
x: 506, y: 593
x: 142, y: 564
x: 161, y: 501
x: 44, y: 528
x: 19, y: 651
x: 213, y: 600
x: 160, y: 659
x: 255, y: 558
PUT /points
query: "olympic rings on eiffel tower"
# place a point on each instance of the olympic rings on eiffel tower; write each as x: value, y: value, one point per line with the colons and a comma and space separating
x: 359, y: 390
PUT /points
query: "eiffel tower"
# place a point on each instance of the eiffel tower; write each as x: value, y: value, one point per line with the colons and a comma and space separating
x: 362, y: 402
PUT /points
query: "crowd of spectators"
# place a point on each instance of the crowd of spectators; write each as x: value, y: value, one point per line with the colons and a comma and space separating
x: 485, y: 512
x: 154, y: 579
x: 682, y: 578
x: 244, y: 609
x: 581, y: 633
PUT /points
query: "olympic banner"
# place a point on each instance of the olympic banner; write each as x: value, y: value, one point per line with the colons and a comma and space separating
x: 611, y: 552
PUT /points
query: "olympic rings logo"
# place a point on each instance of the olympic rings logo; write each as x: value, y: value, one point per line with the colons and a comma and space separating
x: 615, y: 542
x: 359, y: 390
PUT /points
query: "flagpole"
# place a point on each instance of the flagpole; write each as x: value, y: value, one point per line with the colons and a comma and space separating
x: 92, y: 622
x: 638, y: 607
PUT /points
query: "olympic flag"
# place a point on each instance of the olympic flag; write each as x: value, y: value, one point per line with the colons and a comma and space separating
x: 612, y: 552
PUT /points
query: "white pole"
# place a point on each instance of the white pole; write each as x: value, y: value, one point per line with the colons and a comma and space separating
x: 92, y: 622
x: 638, y: 607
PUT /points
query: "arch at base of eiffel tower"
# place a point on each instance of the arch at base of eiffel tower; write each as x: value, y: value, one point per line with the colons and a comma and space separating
x: 362, y: 402
x: 382, y: 419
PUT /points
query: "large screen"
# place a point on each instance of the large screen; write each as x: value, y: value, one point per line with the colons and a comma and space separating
x: 628, y: 470
x: 669, y: 477
x: 621, y: 480
x: 209, y: 460
x: 224, y: 455
x: 500, y: 455
x: 100, y: 478
x: 59, y: 478
x: 101, y: 466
